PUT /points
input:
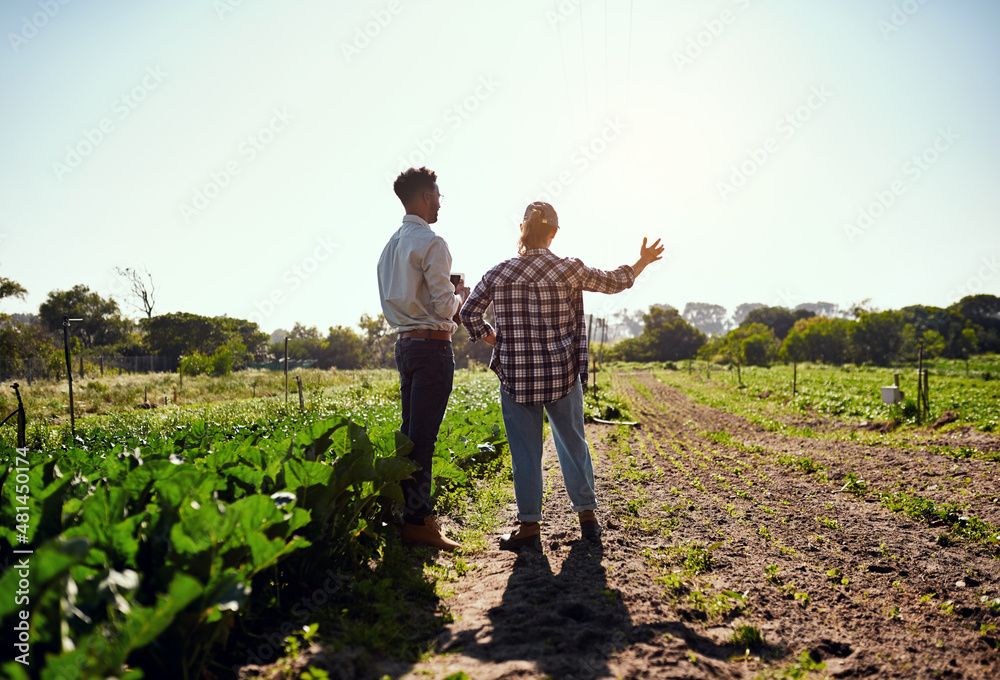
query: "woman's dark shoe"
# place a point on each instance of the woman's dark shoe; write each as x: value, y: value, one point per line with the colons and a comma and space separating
x: 590, y: 528
x: 528, y: 535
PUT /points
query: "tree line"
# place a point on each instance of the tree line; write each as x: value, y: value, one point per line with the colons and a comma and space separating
x: 863, y: 336
x: 196, y: 344
x: 755, y: 335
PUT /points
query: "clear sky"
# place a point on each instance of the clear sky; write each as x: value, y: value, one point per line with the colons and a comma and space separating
x: 243, y: 150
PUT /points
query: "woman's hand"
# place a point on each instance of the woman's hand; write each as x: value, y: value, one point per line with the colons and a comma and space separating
x: 491, y: 339
x: 647, y: 255
x: 652, y: 253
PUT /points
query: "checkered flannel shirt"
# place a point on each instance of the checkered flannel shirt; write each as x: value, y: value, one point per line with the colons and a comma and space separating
x: 541, y: 339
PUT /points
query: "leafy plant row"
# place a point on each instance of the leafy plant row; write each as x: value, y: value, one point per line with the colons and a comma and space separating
x: 146, y: 551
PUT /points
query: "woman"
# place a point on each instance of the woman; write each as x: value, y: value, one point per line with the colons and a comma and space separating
x: 540, y: 355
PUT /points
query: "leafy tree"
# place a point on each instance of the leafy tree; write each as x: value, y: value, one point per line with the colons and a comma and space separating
x: 948, y: 323
x: 10, y: 288
x: 982, y: 311
x: 877, y: 338
x: 341, y: 348
x: 665, y: 337
x: 626, y: 324
x: 740, y: 313
x: 929, y: 344
x: 827, y: 309
x: 967, y: 346
x: 303, y: 343
x: 20, y: 341
x: 779, y: 319
x: 102, y: 322
x: 378, y: 339
x: 826, y: 340
x: 795, y: 348
x: 751, y: 345
x: 706, y: 317
x: 300, y: 332
x: 182, y: 333
x: 344, y: 349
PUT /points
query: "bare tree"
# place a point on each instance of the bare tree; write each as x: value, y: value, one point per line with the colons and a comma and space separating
x: 142, y: 292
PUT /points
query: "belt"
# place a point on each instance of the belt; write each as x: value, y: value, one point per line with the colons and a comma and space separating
x: 427, y: 334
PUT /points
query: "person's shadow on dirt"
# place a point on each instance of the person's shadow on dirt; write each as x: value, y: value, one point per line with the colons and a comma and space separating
x: 567, y: 623
x: 570, y: 623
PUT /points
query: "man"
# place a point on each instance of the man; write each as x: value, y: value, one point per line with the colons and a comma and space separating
x: 420, y: 302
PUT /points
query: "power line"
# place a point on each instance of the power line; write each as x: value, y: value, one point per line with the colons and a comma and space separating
x: 628, y: 62
x: 562, y: 52
x: 605, y: 54
x: 583, y: 59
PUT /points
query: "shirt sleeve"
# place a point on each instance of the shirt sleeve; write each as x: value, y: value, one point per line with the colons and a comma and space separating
x: 437, y: 272
x: 601, y: 281
x: 473, y: 310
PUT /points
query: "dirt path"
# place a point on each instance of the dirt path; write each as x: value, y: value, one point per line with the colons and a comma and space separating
x: 713, y: 524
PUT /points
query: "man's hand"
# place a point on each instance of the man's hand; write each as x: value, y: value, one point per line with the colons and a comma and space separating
x: 647, y: 255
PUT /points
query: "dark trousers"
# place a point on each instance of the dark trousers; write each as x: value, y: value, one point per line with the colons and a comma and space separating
x: 426, y: 371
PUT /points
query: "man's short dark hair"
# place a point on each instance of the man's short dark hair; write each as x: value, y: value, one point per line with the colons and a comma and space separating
x: 412, y: 182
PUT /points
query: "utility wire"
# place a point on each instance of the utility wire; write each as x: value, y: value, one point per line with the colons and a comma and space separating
x: 605, y: 54
x: 628, y: 62
x: 562, y: 52
x: 583, y: 59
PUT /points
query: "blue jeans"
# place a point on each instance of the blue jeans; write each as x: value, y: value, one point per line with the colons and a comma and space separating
x: 426, y: 371
x: 524, y: 436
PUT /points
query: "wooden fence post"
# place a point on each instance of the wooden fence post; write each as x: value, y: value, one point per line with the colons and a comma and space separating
x: 927, y: 404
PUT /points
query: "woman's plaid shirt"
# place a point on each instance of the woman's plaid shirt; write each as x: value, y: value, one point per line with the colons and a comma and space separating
x: 541, y: 339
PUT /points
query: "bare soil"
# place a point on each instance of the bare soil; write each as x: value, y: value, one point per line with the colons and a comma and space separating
x: 863, y: 590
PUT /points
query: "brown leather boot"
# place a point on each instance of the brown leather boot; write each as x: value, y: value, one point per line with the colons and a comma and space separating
x: 590, y: 528
x: 528, y: 535
x: 427, y: 534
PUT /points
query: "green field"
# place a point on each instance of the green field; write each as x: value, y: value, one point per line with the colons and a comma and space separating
x: 159, y: 534
x: 850, y: 394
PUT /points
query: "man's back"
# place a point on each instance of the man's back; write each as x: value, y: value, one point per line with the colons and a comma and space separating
x: 413, y: 279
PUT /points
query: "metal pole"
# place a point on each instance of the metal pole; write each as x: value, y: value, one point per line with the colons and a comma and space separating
x: 21, y: 420
x: 920, y: 386
x: 600, y: 350
x: 286, y: 370
x: 69, y: 374
x: 590, y: 329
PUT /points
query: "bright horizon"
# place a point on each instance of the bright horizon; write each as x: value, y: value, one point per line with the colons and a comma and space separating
x: 243, y: 151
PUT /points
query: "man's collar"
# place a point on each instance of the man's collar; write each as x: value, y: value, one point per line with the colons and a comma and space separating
x: 416, y: 220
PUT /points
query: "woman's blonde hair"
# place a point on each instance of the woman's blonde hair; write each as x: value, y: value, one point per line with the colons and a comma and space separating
x: 536, y: 228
